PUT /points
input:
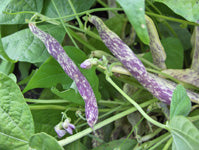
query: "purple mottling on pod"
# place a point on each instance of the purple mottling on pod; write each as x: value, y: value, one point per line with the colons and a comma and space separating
x: 84, y: 88
x: 195, y: 45
x: 131, y: 62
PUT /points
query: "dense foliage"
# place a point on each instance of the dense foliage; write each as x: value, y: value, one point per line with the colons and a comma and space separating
x: 99, y: 74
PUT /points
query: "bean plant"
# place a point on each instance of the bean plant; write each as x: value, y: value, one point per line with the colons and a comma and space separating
x: 99, y: 74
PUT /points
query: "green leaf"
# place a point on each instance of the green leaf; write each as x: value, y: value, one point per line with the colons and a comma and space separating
x: 6, y: 67
x: 181, y: 103
x: 183, y: 34
x: 43, y: 141
x: 2, y: 51
x: 17, y: 6
x: 185, y: 134
x: 16, y: 125
x: 134, y: 10
x: 24, y: 69
x: 45, y: 120
x: 49, y: 74
x: 126, y: 144
x: 65, y: 8
x: 70, y: 95
x: 77, y: 145
x: 174, y: 51
x: 185, y: 8
x: 24, y: 46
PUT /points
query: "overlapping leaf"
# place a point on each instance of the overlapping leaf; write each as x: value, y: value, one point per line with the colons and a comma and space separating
x: 16, y: 125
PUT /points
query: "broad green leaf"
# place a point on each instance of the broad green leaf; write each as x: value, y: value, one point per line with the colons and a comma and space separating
x: 6, y: 67
x: 16, y: 125
x: 48, y: 75
x: 77, y: 145
x: 45, y: 120
x: 70, y: 95
x: 194, y: 115
x: 64, y: 7
x: 185, y: 8
x: 174, y: 51
x: 24, y: 46
x: 2, y: 51
x: 186, y: 75
x: 181, y: 103
x: 135, y: 10
x: 185, y: 134
x: 126, y: 144
x: 182, y: 33
x: 43, y: 141
x: 24, y: 68
x: 17, y: 6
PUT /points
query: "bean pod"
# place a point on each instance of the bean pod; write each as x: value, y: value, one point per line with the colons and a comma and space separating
x: 126, y: 56
x: 84, y: 88
x: 195, y: 45
x: 157, y: 50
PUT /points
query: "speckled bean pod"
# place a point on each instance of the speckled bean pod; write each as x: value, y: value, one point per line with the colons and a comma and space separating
x: 157, y: 50
x: 84, y: 88
x: 195, y: 45
x: 126, y: 56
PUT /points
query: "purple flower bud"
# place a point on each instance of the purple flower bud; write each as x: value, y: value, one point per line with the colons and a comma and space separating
x: 126, y: 56
x: 86, y: 64
x: 59, y: 131
x: 84, y: 88
x: 68, y: 126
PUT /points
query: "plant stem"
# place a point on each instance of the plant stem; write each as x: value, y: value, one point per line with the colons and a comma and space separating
x: 146, y: 116
x: 160, y: 142
x: 77, y: 17
x: 165, y: 22
x: 151, y: 135
x: 47, y: 101
x: 106, y: 6
x: 167, y: 145
x: 101, y: 124
x: 146, y: 62
x: 37, y: 107
x: 172, y: 19
x: 88, y: 11
x: 64, y: 25
x: 82, y: 41
x: 59, y: 107
x: 90, y: 33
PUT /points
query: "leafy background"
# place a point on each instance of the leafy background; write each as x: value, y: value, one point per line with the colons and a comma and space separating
x: 34, y: 90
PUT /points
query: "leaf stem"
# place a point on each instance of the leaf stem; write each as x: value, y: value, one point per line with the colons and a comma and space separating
x: 167, y: 145
x: 146, y: 116
x: 101, y: 124
x: 160, y: 142
x: 77, y: 17
x: 90, y: 33
x: 64, y: 25
x: 81, y: 40
x: 172, y: 19
x: 47, y: 101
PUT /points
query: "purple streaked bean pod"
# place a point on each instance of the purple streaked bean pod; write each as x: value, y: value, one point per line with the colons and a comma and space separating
x: 84, y: 88
x: 186, y: 75
x: 126, y: 56
x: 157, y: 50
x: 195, y: 45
